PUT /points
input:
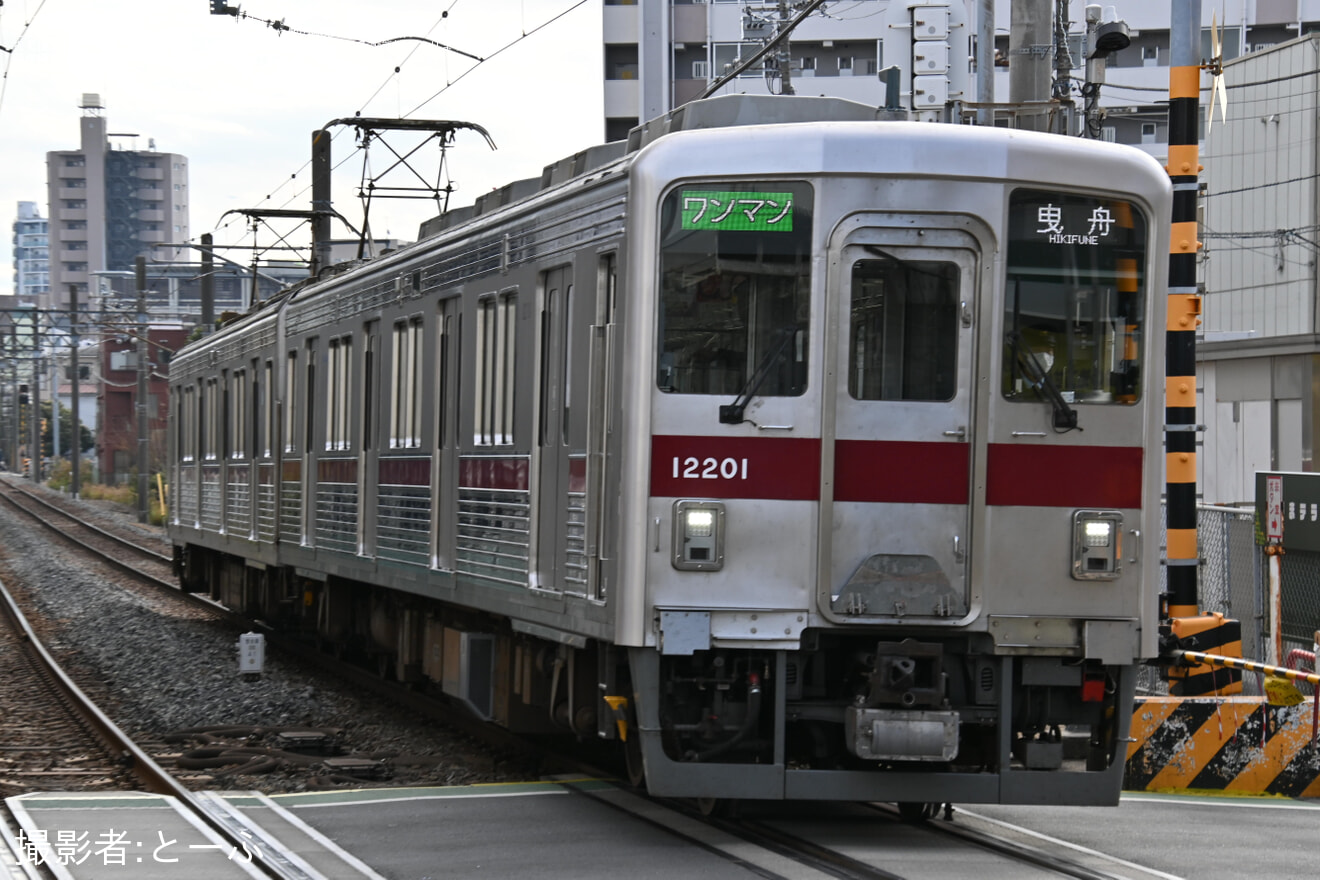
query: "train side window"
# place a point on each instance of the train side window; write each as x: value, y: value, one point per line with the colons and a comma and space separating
x: 444, y: 332
x: 337, y: 396
x: 237, y: 415
x: 903, y: 330
x: 211, y: 424
x: 266, y: 446
x: 406, y: 398
x: 735, y: 287
x: 495, y: 363
x: 186, y: 424
x: 309, y: 397
x: 1075, y: 297
x: 290, y: 399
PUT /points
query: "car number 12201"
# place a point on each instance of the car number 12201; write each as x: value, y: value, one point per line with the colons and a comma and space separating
x: 693, y: 468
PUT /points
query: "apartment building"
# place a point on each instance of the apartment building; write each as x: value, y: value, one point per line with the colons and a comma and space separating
x: 110, y: 202
x: 31, y: 253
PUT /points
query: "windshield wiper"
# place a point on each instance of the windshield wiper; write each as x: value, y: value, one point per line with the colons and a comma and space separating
x: 1065, y: 417
x: 732, y: 413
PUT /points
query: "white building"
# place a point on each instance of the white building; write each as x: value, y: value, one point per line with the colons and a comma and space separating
x: 31, y: 253
x: 1259, y: 371
x: 659, y: 54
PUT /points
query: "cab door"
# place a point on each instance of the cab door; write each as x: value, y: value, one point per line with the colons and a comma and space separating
x: 897, y: 452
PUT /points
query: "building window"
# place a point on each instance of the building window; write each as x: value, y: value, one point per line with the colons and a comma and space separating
x: 1148, y: 132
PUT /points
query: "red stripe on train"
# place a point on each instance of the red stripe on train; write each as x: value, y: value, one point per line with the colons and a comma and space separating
x: 494, y: 472
x: 894, y: 472
x: 780, y: 468
x: 1064, y: 476
x: 901, y: 472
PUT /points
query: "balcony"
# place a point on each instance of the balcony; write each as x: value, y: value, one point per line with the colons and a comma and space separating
x: 620, y: 24
x: 623, y: 97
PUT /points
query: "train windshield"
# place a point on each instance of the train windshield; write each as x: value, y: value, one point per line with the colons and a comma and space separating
x: 1076, y: 294
x: 735, y: 288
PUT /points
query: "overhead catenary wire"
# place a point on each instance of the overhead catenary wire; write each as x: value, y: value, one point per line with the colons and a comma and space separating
x: 300, y: 193
x: 9, y: 53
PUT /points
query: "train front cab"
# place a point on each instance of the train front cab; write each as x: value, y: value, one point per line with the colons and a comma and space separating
x: 896, y: 542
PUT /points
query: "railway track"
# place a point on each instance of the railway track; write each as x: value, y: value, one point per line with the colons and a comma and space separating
x: 51, y: 735
x: 205, y: 749
x: 865, y: 843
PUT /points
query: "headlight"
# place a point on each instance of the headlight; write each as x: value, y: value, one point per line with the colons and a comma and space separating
x: 1097, y: 545
x: 698, y: 535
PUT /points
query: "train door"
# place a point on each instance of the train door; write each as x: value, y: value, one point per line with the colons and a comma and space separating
x: 897, y: 461
x: 560, y: 561
x: 599, y: 416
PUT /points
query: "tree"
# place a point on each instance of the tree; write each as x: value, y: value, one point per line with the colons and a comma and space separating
x: 66, y: 431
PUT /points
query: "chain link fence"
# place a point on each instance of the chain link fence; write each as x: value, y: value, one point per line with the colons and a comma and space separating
x: 1231, y: 579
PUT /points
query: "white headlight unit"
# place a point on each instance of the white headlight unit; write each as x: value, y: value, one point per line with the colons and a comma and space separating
x: 1097, y: 544
x: 698, y: 535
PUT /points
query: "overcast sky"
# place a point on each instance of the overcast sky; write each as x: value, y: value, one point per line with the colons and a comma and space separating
x: 240, y: 98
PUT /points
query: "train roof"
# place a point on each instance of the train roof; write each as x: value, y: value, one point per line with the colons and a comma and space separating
x: 725, y: 111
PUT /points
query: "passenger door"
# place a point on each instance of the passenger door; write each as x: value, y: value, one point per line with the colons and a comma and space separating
x: 561, y: 440
x: 897, y: 453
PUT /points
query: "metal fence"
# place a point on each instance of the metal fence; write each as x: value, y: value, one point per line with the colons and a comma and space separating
x: 1233, y: 579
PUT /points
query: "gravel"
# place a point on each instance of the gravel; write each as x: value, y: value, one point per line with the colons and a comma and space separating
x: 167, y: 667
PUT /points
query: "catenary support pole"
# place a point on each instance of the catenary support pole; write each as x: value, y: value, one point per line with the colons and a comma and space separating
x: 75, y: 371
x: 143, y: 355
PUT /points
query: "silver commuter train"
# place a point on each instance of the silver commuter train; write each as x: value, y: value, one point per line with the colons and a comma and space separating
x: 803, y: 455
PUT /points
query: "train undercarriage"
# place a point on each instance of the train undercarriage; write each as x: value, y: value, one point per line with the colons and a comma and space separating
x: 849, y: 716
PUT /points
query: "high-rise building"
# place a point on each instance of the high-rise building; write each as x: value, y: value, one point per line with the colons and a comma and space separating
x: 110, y: 202
x: 31, y: 253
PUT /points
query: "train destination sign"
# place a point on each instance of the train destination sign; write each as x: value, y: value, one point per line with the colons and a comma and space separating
x: 739, y: 211
x: 1043, y: 218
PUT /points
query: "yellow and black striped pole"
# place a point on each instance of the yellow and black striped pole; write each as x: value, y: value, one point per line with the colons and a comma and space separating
x: 1191, y: 629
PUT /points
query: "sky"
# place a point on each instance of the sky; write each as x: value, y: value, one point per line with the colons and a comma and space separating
x: 240, y: 98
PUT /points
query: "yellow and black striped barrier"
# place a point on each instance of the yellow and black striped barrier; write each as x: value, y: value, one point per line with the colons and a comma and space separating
x: 1246, y: 745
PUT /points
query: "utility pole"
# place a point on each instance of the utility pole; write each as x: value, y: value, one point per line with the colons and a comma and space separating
x: 15, y: 460
x: 785, y: 57
x: 34, y: 425
x: 1029, y: 59
x: 985, y: 62
x: 76, y: 373
x: 1062, y: 90
x: 208, y: 285
x: 143, y: 481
